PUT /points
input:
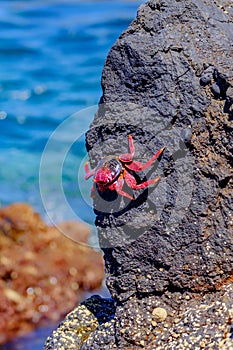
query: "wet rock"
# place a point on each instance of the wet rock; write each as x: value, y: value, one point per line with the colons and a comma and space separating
x: 40, y: 269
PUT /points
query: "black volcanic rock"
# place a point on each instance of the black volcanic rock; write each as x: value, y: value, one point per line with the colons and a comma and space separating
x: 167, y: 81
x: 181, y: 231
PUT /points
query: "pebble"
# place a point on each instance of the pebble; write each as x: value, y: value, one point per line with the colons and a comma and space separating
x: 206, y: 78
x: 186, y: 135
x: 209, y: 69
x: 215, y: 90
x: 229, y: 92
x: 159, y: 314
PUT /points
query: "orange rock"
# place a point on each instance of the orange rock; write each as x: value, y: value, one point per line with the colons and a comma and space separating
x: 42, y: 272
x: 77, y: 231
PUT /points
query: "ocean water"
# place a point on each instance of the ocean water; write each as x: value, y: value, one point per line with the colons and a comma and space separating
x: 51, y: 58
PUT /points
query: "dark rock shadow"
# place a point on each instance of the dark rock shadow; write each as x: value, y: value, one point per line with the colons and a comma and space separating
x: 102, y: 308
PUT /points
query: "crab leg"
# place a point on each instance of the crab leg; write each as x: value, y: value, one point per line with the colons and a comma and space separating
x: 118, y: 188
x: 150, y: 161
x: 131, y: 182
x: 131, y: 145
x: 128, y: 157
x: 88, y: 172
x: 138, y: 166
x: 93, y: 192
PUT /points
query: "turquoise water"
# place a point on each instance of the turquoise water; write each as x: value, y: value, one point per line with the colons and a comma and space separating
x: 51, y: 58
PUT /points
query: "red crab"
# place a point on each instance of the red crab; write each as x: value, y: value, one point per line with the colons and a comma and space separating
x: 111, y: 172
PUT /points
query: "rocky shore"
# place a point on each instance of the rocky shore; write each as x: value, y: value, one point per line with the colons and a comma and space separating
x: 43, y: 274
x: 167, y: 81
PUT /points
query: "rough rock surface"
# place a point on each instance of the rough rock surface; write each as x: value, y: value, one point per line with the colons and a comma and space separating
x: 79, y: 324
x: 203, y: 322
x: 162, y: 53
x: 168, y: 80
x: 157, y: 65
x: 39, y: 269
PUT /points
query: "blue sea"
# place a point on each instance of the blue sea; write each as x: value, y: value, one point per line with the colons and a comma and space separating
x: 51, y: 59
